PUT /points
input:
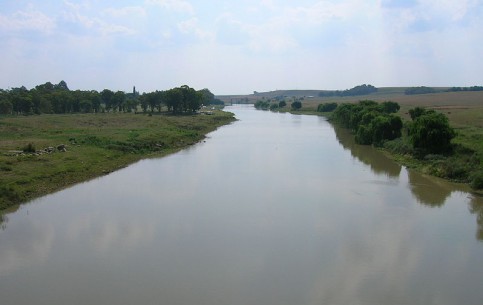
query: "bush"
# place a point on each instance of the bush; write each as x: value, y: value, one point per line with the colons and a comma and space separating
x: 29, y: 148
x: 296, y: 105
x: 431, y: 133
x: 477, y: 181
x: 326, y: 107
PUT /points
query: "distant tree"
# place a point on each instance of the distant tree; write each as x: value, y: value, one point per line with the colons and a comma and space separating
x: 296, y: 105
x: 208, y: 97
x: 419, y: 90
x: 274, y: 107
x: 326, y: 107
x: 282, y: 104
x: 62, y: 85
x: 106, y: 97
x: 5, y: 107
x: 390, y: 107
x: 262, y: 105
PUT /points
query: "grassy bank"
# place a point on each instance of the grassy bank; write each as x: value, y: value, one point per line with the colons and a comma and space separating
x: 95, y: 144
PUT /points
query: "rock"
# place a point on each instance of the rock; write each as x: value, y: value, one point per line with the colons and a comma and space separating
x: 61, y: 148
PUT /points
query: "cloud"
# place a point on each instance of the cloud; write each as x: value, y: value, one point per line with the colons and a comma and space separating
x: 398, y: 3
x: 181, y: 6
x: 128, y: 11
x: 30, y: 20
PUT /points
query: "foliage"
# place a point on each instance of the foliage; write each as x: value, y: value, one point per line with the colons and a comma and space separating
x: 29, y: 148
x: 370, y: 121
x: 419, y: 90
x: 357, y: 90
x: 274, y: 107
x: 390, y: 107
x: 296, y: 105
x: 431, y: 133
x: 282, y: 104
x: 49, y: 98
x: 208, y: 98
x: 414, y: 113
x: 262, y: 105
x: 472, y: 88
x: 326, y: 107
x: 477, y: 181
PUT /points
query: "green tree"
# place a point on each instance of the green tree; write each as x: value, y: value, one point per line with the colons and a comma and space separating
x: 296, y: 105
x: 106, y: 97
x: 431, y: 133
x: 5, y: 106
x: 390, y: 107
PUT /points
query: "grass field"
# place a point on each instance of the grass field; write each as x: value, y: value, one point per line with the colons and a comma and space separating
x: 96, y: 144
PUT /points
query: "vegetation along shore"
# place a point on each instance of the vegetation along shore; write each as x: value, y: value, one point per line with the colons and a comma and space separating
x: 52, y: 137
x: 437, y: 131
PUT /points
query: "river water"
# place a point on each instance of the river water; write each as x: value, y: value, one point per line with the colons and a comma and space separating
x: 272, y: 209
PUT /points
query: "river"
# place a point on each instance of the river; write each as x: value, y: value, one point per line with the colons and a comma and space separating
x: 273, y: 209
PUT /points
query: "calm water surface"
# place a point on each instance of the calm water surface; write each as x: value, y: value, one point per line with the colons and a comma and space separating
x: 273, y: 209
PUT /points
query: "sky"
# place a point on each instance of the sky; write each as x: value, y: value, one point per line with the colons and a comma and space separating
x: 237, y: 47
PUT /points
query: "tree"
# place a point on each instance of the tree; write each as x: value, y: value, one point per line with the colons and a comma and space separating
x: 390, y: 107
x: 5, y: 107
x: 431, y: 133
x: 282, y: 104
x: 208, y: 97
x: 326, y: 107
x: 106, y: 97
x: 419, y: 111
x: 296, y: 105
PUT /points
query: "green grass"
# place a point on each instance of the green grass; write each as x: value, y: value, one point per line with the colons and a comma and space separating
x: 97, y: 144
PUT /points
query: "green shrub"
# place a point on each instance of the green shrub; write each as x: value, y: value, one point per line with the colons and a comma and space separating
x: 477, y: 181
x: 29, y: 148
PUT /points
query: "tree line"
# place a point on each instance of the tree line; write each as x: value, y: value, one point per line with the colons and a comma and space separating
x: 429, y: 131
x: 426, y: 90
x: 357, y: 90
x: 59, y: 99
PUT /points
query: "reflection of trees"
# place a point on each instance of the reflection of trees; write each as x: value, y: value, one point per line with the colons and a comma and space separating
x: 427, y: 191
x: 378, y: 162
x: 476, y: 207
x: 3, y: 222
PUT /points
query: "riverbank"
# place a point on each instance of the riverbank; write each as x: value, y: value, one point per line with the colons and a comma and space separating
x: 462, y: 165
x: 46, y: 153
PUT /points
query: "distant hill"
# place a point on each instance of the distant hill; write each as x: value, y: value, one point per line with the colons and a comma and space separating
x: 324, y: 94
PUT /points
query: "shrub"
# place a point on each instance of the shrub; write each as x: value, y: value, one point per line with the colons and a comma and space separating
x: 296, y: 105
x: 326, y: 107
x: 29, y: 148
x: 477, y: 181
x: 431, y: 133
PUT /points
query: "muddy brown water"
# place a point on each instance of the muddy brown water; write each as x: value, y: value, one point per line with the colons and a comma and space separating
x: 272, y: 209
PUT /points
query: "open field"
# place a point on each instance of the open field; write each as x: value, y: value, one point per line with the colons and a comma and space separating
x: 96, y: 144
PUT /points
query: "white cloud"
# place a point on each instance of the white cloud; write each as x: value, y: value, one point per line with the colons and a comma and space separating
x: 174, y: 5
x: 128, y: 11
x: 27, y: 20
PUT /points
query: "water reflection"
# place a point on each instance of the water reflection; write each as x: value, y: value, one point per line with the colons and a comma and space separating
x: 428, y: 190
x: 476, y: 207
x: 3, y: 221
x: 377, y: 161
x: 270, y: 210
